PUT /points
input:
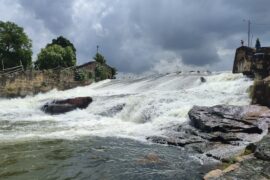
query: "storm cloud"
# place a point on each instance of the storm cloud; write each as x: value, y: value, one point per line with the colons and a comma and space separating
x: 134, y: 36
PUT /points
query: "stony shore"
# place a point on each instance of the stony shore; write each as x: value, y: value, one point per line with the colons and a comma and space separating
x: 227, y: 134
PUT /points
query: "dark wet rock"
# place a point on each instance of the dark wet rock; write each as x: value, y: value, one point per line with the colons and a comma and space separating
x: 252, y: 166
x: 229, y: 124
x: 263, y: 149
x: 226, y: 133
x: 202, y: 79
x: 260, y: 92
x: 66, y: 105
x: 114, y: 110
x: 249, y: 169
x: 220, y: 132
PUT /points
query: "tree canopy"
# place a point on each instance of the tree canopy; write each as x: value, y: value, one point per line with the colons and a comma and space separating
x: 258, y: 44
x: 63, y: 42
x: 55, y: 56
x: 99, y: 58
x: 15, y: 46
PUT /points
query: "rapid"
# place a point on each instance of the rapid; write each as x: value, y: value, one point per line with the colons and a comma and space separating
x: 113, y: 129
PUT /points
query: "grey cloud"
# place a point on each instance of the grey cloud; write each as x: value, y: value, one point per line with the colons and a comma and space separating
x: 55, y: 14
x: 135, y: 35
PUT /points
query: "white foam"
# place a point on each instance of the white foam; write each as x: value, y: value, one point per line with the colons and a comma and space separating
x: 131, y: 108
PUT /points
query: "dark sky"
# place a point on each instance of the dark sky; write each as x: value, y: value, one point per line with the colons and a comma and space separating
x: 138, y: 35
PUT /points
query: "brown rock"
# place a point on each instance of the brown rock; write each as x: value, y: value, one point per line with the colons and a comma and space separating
x: 213, y: 174
x: 63, y: 106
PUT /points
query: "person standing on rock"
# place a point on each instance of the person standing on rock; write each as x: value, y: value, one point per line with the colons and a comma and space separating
x: 242, y: 42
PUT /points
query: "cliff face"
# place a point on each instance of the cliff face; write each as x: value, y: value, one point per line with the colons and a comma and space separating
x: 255, y: 63
x: 260, y: 92
x: 243, y: 60
x: 252, y: 62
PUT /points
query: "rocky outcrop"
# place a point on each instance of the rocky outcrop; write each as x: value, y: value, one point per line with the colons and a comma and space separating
x: 257, y: 166
x: 243, y: 60
x: 262, y: 149
x: 221, y: 131
x: 252, y: 62
x: 63, y: 106
x: 260, y: 92
x: 228, y: 122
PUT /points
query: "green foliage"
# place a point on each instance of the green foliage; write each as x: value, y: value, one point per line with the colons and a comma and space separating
x: 258, y: 44
x: 80, y: 75
x: 55, y: 56
x: 99, y: 58
x: 101, y: 73
x: 114, y: 72
x: 63, y: 42
x: 15, y: 46
x: 90, y: 75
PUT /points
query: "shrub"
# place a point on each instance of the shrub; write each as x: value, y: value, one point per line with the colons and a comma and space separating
x: 80, y: 75
x: 101, y: 73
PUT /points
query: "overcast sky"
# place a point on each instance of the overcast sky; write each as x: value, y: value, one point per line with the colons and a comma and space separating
x: 138, y: 35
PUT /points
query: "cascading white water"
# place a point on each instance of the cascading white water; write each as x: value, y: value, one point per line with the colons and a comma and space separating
x: 132, y: 108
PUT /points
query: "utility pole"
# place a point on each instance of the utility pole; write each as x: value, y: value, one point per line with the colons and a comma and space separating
x: 249, y: 24
x: 249, y: 31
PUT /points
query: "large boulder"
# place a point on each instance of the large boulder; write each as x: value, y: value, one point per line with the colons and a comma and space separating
x: 66, y: 105
x: 225, y: 118
x: 231, y: 124
x: 220, y: 131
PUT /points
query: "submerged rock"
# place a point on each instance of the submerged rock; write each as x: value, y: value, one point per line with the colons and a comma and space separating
x: 63, y: 106
x: 202, y: 79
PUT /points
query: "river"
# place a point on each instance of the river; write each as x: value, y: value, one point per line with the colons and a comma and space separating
x: 108, y: 139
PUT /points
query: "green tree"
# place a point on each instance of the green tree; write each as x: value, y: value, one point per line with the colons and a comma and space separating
x: 15, y: 46
x: 114, y: 72
x: 258, y: 44
x: 101, y: 73
x: 99, y: 58
x: 63, y: 42
x: 55, y: 56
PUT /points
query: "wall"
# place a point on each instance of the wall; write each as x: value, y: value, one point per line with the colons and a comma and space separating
x: 243, y: 60
x: 256, y: 64
x: 252, y: 62
x: 33, y: 82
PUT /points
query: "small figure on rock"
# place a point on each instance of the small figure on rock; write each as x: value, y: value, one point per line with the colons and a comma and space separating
x: 242, y: 42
